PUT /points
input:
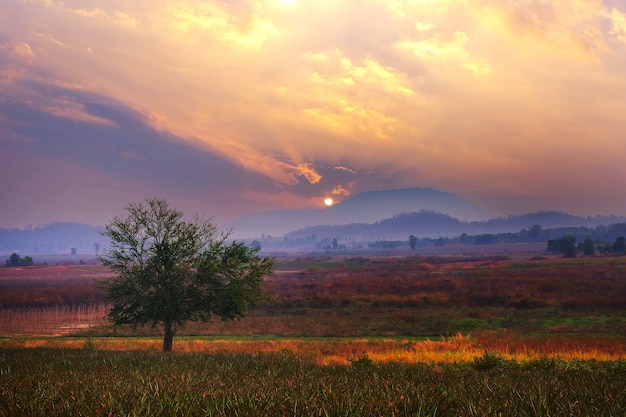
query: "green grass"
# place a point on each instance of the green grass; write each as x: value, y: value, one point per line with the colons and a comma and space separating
x: 45, y: 382
x: 551, y: 320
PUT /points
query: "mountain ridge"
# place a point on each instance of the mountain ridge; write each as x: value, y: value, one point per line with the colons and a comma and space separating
x: 61, y: 237
x: 432, y: 225
x: 366, y: 207
x: 372, y: 215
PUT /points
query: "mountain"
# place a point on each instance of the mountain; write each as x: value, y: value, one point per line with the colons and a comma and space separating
x: 421, y: 224
x: 54, y: 238
x: 60, y: 238
x: 367, y: 207
x: 433, y: 225
x: 547, y: 219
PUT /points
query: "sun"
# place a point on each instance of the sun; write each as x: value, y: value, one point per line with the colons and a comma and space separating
x: 328, y: 201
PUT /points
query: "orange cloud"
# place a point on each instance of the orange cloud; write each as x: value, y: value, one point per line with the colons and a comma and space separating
x: 618, y: 20
x: 439, y: 93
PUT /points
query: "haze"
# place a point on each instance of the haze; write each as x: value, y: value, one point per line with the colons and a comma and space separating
x: 228, y: 108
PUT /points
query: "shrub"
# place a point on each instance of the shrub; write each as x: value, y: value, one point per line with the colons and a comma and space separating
x: 361, y: 361
x: 489, y: 360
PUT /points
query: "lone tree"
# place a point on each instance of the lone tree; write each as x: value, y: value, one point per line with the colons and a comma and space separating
x: 171, y: 270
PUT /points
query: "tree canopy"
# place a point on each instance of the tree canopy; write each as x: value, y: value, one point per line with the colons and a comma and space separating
x: 16, y: 260
x: 170, y: 270
x: 565, y: 245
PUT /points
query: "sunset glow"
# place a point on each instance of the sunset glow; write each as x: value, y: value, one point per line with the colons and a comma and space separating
x: 229, y: 108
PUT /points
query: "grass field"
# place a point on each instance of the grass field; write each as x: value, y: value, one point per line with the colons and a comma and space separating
x: 439, y: 335
x: 85, y: 382
x: 343, y: 351
x: 359, y: 297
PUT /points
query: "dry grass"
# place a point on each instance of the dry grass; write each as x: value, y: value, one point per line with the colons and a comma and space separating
x: 372, y: 306
x: 342, y: 351
x: 52, y: 320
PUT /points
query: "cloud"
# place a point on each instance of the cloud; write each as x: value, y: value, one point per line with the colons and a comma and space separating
x: 21, y: 51
x: 424, y: 27
x: 570, y: 26
x: 472, y: 96
x: 447, y: 47
x: 15, y: 57
x: 618, y: 20
x: 342, y: 168
x: 215, y: 19
x: 340, y: 191
x: 124, y: 160
x: 68, y: 107
x: 117, y: 16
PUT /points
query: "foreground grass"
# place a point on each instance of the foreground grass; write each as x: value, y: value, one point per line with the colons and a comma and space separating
x: 80, y: 382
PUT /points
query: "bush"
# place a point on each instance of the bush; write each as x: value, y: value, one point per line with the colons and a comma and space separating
x: 15, y: 260
x: 565, y: 245
x: 489, y: 360
x: 361, y: 361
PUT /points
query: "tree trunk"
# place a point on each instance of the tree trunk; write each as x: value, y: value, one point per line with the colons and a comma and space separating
x: 169, y: 336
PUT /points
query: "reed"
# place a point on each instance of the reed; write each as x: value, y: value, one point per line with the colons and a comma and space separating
x: 54, y: 320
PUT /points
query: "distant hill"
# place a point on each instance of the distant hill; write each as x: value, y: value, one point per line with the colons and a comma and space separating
x: 547, y: 219
x: 430, y: 224
x: 54, y: 238
x: 370, y: 216
x: 367, y: 207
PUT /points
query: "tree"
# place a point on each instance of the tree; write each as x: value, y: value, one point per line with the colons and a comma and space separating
x: 413, y: 242
x: 16, y: 260
x: 565, y: 245
x: 535, y: 233
x: 485, y: 239
x: 589, y: 248
x: 619, y: 246
x: 171, y: 270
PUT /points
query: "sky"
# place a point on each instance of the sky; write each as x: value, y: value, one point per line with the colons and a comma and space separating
x: 241, y: 106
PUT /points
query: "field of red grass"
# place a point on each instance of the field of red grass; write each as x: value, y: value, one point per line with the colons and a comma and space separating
x: 515, y: 306
x: 46, y: 286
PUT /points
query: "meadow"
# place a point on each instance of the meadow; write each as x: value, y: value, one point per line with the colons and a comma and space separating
x: 86, y: 382
x: 333, y: 296
x: 494, y: 334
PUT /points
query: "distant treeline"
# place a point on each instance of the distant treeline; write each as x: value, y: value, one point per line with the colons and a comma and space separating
x: 600, y: 235
x: 17, y: 260
x: 430, y: 229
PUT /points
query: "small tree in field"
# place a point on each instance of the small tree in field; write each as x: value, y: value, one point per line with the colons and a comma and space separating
x: 565, y: 245
x: 588, y: 247
x: 619, y: 246
x: 171, y: 270
x: 16, y: 260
